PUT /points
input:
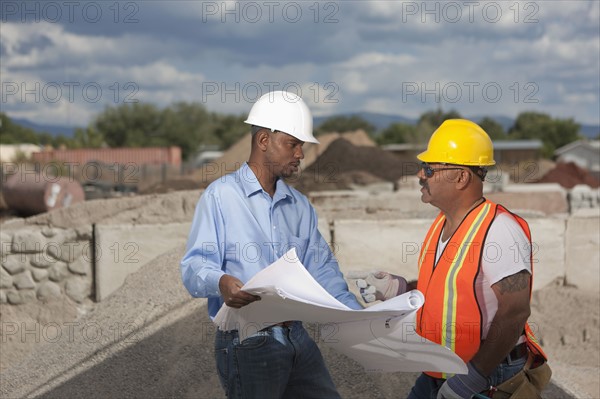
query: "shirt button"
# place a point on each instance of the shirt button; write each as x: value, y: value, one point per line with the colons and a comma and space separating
x: 274, y: 227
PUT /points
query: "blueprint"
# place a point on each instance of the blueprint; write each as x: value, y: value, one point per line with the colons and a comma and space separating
x: 382, y: 338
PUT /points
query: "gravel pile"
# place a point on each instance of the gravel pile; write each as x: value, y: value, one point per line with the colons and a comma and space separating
x: 150, y: 339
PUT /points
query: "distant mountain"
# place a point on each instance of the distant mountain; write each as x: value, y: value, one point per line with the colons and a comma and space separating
x: 590, y: 131
x: 54, y: 130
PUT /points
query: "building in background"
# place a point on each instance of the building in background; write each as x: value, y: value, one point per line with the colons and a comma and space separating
x: 17, y: 152
x: 110, y: 172
x: 123, y: 156
x: 584, y: 153
x: 505, y: 151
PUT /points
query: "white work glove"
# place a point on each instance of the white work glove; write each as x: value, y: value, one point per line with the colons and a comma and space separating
x: 381, y: 286
x: 463, y: 386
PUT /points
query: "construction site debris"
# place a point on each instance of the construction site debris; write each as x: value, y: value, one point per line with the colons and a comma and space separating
x: 569, y: 175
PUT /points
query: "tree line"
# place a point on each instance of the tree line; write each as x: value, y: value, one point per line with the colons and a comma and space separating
x: 190, y: 126
x: 552, y: 132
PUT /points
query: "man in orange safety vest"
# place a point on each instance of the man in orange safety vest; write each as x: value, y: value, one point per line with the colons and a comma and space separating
x: 475, y: 270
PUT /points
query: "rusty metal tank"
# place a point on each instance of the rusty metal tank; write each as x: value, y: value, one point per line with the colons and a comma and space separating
x: 33, y: 193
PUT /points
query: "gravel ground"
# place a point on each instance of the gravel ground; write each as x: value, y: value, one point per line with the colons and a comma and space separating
x: 150, y: 340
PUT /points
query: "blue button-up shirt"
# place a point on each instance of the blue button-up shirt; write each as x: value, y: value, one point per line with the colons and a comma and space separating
x: 238, y: 229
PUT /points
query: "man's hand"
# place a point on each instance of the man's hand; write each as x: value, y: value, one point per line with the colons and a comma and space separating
x: 232, y: 295
x: 381, y: 286
x: 463, y: 385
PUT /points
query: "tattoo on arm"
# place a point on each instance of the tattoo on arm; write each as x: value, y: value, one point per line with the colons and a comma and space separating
x: 514, y: 283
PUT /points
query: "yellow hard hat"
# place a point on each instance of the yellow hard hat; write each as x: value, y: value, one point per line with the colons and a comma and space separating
x: 459, y: 142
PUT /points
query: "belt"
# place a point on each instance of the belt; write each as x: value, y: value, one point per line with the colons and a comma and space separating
x: 285, y: 324
x: 517, y: 353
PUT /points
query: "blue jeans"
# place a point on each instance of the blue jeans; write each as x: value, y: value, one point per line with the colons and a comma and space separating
x: 427, y: 387
x: 278, y: 362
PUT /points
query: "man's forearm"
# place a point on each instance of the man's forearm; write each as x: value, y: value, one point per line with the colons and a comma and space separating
x: 504, y: 332
x: 512, y: 293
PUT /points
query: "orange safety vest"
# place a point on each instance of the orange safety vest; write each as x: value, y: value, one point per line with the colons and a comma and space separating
x: 451, y: 315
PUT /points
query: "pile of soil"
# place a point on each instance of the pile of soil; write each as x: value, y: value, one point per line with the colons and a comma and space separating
x: 239, y: 153
x: 569, y: 175
x: 313, y: 151
x: 339, y: 164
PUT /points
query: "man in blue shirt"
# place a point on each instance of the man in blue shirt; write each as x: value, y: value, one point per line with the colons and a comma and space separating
x: 243, y: 223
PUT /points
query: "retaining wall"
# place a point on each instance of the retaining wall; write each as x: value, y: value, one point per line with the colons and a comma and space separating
x: 41, y: 262
x: 367, y: 232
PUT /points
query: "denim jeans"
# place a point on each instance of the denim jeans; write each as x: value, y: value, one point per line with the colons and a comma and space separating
x: 278, y: 362
x: 427, y: 387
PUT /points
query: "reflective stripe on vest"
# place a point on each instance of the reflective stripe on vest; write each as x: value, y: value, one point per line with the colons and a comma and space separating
x: 451, y: 315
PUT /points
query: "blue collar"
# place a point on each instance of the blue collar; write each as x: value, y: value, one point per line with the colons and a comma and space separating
x: 251, y: 185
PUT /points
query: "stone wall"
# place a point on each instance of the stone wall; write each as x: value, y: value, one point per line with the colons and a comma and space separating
x: 40, y: 262
x: 58, y: 254
x: 87, y: 252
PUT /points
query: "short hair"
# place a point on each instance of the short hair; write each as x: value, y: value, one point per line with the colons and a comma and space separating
x: 256, y: 129
x: 480, y: 171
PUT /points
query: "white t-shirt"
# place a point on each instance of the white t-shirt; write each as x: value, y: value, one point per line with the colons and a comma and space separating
x: 505, y: 252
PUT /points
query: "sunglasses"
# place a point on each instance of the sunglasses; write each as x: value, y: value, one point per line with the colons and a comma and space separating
x: 429, y: 171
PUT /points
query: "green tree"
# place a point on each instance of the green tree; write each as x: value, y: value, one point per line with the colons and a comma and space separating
x: 129, y: 125
x: 87, y: 138
x: 493, y: 128
x: 429, y: 121
x: 230, y: 128
x: 187, y: 125
x: 553, y: 133
x: 11, y: 133
x: 437, y: 117
x: 342, y: 123
x: 397, y: 133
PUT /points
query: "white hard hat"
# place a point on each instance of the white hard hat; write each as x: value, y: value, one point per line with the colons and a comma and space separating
x: 285, y: 112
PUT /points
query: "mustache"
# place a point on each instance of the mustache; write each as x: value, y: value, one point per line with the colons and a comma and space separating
x: 423, y: 183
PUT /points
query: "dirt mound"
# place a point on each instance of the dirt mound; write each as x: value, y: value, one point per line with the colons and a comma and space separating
x: 342, y: 160
x: 569, y: 175
x: 239, y: 153
x: 312, y: 152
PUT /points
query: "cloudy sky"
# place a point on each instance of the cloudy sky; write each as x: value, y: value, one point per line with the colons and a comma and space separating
x: 63, y: 62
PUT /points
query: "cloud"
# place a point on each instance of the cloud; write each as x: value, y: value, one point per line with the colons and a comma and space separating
x: 380, y: 56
